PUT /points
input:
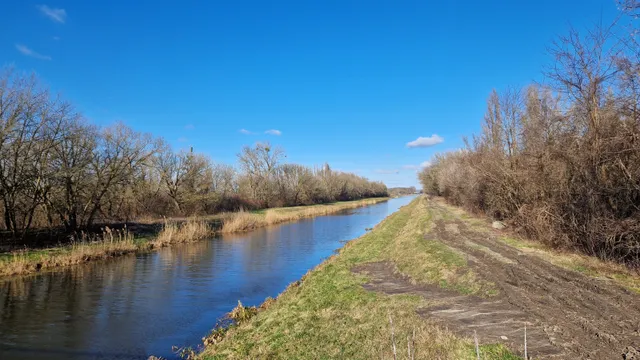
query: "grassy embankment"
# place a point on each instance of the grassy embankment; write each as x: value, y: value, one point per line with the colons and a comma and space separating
x: 329, y: 315
x: 113, y: 243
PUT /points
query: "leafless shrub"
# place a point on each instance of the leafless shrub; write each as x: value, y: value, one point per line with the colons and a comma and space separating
x: 560, y: 162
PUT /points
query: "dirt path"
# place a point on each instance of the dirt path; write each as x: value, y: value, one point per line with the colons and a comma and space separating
x: 568, y: 315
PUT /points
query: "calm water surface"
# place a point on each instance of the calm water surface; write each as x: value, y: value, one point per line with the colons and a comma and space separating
x: 135, y: 306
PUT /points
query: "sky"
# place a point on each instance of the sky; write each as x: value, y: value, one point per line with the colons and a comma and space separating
x: 372, y: 87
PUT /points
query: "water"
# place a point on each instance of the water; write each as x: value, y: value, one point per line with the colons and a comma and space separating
x: 138, y: 305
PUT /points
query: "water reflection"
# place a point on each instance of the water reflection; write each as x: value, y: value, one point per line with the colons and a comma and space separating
x: 134, y: 306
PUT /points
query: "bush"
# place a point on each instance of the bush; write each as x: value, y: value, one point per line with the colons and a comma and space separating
x: 561, y: 163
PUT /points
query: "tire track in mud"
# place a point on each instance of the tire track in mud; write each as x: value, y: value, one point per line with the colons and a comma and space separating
x: 568, y: 314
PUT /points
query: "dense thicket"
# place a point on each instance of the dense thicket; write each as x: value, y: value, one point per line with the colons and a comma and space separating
x: 58, y: 170
x: 561, y: 162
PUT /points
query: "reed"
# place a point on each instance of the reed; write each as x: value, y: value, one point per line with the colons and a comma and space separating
x: 246, y: 221
x: 174, y: 233
x: 242, y: 221
x: 109, y: 243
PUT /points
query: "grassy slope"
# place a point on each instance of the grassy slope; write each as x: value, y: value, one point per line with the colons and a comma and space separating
x: 329, y: 315
x: 120, y: 243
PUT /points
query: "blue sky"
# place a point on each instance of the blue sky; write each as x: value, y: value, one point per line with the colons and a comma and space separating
x: 351, y: 83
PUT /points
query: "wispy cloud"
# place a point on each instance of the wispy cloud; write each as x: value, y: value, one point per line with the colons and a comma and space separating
x: 28, y: 52
x: 189, y: 127
x: 387, y: 171
x: 273, y: 132
x: 57, y: 15
x: 182, y: 139
x: 56, y: 38
x: 422, y: 165
x: 246, y: 132
x: 425, y: 141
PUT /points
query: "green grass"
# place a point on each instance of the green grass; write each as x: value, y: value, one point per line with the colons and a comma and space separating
x: 496, y: 351
x: 329, y: 314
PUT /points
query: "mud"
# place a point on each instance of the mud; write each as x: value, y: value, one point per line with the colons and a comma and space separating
x: 567, y: 314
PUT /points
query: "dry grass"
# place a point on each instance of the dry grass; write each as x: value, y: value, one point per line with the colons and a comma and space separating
x: 329, y: 315
x: 109, y: 244
x: 190, y: 230
x: 246, y: 221
x: 242, y: 221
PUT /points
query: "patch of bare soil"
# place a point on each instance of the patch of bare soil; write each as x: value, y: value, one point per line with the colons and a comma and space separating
x: 568, y: 315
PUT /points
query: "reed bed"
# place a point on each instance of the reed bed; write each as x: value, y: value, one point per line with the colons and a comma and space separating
x: 109, y: 243
x: 175, y: 233
x: 246, y: 221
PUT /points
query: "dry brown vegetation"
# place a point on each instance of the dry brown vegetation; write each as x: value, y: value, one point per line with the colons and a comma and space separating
x: 87, y: 248
x: 402, y: 191
x: 561, y: 161
x: 187, y: 231
x: 110, y: 243
x: 245, y: 221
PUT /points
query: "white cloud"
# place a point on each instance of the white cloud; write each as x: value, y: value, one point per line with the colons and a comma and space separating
x: 57, y: 15
x: 273, y: 132
x: 387, y: 171
x: 425, y: 141
x: 28, y: 52
x: 417, y: 168
x: 189, y: 127
x: 182, y: 139
x: 246, y: 132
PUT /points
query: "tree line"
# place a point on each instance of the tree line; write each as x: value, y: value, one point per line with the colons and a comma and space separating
x: 402, y: 191
x: 57, y: 170
x: 561, y: 160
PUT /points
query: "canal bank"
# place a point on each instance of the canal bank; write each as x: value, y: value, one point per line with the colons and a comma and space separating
x: 118, y: 242
x: 143, y: 304
x: 434, y: 282
x: 331, y: 314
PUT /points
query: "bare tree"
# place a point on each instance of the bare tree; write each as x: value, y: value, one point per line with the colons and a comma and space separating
x: 259, y: 164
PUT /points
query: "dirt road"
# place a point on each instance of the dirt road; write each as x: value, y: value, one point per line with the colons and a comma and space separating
x: 568, y: 315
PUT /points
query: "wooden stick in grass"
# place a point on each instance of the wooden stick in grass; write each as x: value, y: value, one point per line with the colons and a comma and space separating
x: 526, y: 356
x: 413, y: 344
x: 393, y: 338
x: 475, y: 339
x: 408, y: 348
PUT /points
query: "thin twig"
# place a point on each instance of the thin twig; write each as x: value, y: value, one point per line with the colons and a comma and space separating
x: 393, y: 338
x: 526, y: 356
x: 408, y: 348
x: 475, y: 339
x: 413, y: 341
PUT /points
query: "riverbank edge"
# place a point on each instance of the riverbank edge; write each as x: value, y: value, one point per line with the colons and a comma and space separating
x: 115, y: 243
x: 228, y: 339
x: 285, y: 319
